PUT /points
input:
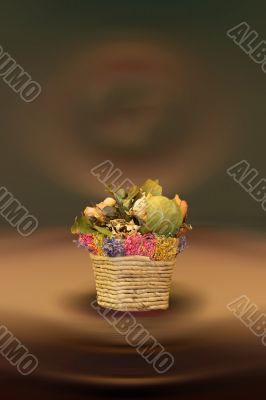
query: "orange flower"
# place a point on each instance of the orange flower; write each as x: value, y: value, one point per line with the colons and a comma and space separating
x: 182, y: 205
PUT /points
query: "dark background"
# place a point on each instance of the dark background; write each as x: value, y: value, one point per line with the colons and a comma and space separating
x: 156, y: 87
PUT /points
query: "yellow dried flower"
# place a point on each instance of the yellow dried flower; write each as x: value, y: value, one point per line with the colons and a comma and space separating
x: 166, y: 248
x: 98, y: 240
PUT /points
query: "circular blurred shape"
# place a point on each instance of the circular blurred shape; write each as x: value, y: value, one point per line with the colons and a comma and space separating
x: 147, y: 107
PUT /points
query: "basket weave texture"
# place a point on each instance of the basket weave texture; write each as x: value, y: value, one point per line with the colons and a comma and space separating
x: 132, y: 283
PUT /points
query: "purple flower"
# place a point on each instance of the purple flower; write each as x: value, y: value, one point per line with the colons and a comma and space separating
x: 113, y: 247
x: 182, y: 243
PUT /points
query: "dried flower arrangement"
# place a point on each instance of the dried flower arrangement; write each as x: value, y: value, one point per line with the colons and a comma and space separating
x: 133, y: 238
x: 134, y: 221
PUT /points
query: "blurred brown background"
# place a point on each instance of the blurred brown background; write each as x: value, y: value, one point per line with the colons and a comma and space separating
x: 158, y: 88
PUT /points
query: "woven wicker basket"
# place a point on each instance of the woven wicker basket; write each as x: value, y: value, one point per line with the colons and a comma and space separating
x: 132, y: 283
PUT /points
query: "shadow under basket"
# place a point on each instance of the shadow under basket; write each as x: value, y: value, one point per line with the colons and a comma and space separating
x: 132, y: 283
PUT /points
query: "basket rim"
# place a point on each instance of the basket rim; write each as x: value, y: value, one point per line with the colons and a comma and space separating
x: 131, y: 258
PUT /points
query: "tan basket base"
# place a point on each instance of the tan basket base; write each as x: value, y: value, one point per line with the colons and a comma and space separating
x: 135, y: 307
x: 133, y: 283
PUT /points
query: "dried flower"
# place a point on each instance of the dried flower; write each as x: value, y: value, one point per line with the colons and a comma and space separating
x: 113, y: 247
x: 132, y: 245
x: 156, y: 230
x: 148, y: 245
x: 182, y: 243
x: 94, y: 212
x: 182, y: 204
x: 98, y: 240
x: 87, y: 241
x: 89, y: 212
x: 166, y: 248
x: 120, y: 227
x: 108, y: 202
x: 141, y: 245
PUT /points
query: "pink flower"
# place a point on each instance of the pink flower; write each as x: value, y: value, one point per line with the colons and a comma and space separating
x: 140, y: 245
x: 148, y: 245
x: 87, y: 240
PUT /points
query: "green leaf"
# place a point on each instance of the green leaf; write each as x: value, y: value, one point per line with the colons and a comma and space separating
x: 103, y: 231
x: 118, y: 198
x: 74, y: 227
x: 163, y: 216
x: 152, y: 186
x: 132, y: 193
x: 121, y: 193
x: 82, y: 225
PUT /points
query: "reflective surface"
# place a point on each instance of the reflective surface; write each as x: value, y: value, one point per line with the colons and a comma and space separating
x: 47, y: 286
